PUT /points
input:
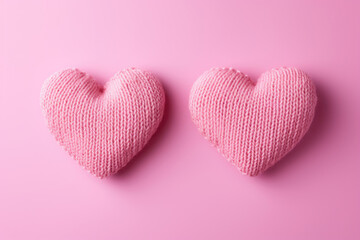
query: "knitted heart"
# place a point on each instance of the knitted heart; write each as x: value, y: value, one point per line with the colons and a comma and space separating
x: 253, y: 125
x: 103, y: 128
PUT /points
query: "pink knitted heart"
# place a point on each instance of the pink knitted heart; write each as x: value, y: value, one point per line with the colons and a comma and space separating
x: 253, y: 125
x: 103, y: 127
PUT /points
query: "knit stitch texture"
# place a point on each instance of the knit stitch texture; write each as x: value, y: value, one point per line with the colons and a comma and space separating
x: 103, y: 127
x: 253, y: 125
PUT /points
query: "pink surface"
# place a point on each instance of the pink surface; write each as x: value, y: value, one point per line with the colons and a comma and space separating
x: 179, y: 186
x: 253, y: 125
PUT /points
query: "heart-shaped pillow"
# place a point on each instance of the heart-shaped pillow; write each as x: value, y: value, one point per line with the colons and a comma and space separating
x: 103, y: 127
x: 253, y: 125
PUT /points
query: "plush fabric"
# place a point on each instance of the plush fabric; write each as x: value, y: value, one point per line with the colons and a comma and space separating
x: 252, y: 124
x: 103, y: 127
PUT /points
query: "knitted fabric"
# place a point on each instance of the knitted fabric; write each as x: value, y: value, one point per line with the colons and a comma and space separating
x: 253, y: 125
x: 103, y: 128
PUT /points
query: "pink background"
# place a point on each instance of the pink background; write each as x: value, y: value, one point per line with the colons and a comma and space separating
x: 179, y: 187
